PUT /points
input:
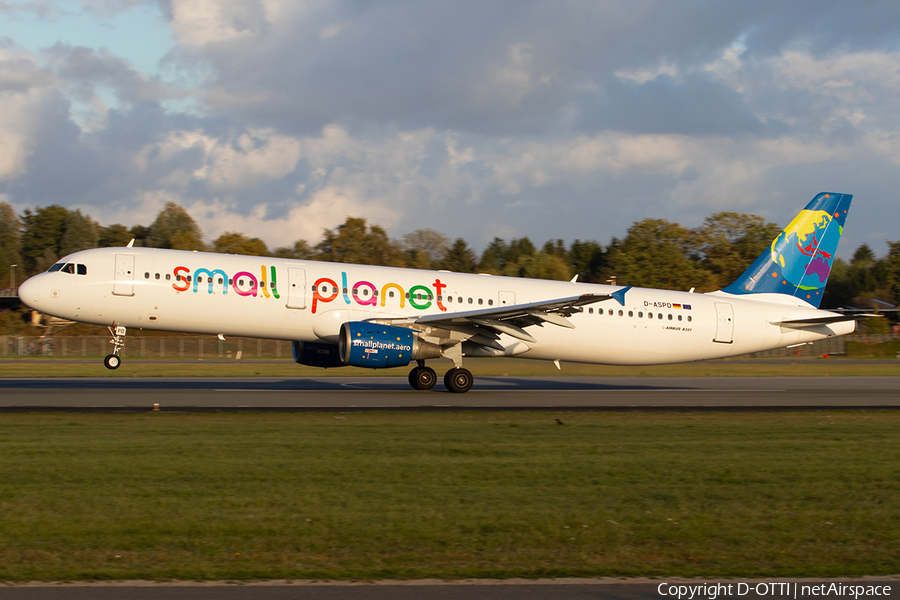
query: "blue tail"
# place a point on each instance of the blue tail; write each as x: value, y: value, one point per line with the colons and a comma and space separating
x: 799, y: 260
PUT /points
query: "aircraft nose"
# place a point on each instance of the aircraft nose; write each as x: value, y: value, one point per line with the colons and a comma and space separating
x: 30, y: 292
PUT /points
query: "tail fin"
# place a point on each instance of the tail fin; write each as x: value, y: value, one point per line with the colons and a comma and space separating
x: 798, y: 261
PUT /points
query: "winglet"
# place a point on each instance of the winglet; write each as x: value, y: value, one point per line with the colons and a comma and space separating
x: 619, y: 295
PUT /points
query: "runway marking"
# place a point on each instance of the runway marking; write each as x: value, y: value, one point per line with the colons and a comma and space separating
x: 375, y: 389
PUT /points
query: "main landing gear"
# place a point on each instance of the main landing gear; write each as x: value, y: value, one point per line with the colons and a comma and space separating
x: 112, y: 361
x: 457, y: 379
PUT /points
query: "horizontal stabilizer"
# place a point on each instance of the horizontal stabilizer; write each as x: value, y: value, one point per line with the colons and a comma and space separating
x: 801, y: 322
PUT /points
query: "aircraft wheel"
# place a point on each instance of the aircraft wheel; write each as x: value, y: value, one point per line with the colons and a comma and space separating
x: 112, y: 361
x: 422, y: 378
x: 458, y: 380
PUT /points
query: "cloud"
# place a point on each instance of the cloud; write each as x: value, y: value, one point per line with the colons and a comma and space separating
x: 280, y: 118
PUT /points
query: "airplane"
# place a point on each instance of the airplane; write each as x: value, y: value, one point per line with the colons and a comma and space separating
x: 384, y: 317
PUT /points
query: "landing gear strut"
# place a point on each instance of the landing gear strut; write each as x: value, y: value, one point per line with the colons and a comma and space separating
x: 422, y: 377
x: 112, y: 361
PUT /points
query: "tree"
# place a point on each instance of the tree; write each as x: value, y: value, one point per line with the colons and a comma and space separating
x: 80, y: 234
x: 587, y: 260
x: 9, y: 242
x: 424, y: 248
x: 539, y: 266
x: 729, y: 242
x: 300, y: 251
x: 114, y: 236
x: 42, y: 232
x: 460, y: 258
x: 493, y: 259
x: 556, y: 247
x: 659, y: 254
x: 893, y: 270
x: 139, y: 234
x: 355, y: 242
x: 232, y: 242
x: 174, y: 228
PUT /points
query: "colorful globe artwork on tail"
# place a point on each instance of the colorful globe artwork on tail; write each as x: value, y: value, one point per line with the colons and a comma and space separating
x: 799, y: 260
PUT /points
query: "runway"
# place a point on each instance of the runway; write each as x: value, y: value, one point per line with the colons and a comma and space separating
x: 489, y: 394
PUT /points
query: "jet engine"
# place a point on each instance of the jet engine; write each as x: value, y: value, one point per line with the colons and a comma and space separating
x: 314, y: 354
x: 382, y: 346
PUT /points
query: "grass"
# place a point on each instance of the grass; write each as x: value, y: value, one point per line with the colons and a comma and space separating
x: 285, y: 367
x: 403, y: 495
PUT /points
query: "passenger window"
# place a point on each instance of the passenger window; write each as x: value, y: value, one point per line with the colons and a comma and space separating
x: 82, y: 270
x: 168, y: 276
x: 630, y: 313
x: 459, y: 299
x: 146, y: 275
x: 345, y: 291
x: 334, y: 290
x: 374, y: 292
x: 591, y: 310
x: 241, y: 282
x: 449, y: 298
x: 440, y: 298
x: 200, y: 279
x: 609, y: 312
x: 640, y: 314
x: 679, y: 317
x: 649, y: 315
x: 480, y: 301
x: 470, y: 301
x: 670, y: 316
x: 189, y: 278
x: 55, y: 267
x: 620, y: 313
x: 365, y: 291
x: 157, y: 277
x: 391, y: 294
x: 490, y: 302
x: 272, y: 285
x: 355, y: 291
x: 689, y: 319
x: 659, y: 315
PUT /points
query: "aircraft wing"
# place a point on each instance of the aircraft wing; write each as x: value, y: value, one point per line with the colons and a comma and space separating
x: 485, y: 326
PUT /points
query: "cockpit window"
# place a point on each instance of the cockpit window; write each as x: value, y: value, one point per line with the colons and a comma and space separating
x: 55, y: 267
x: 69, y: 268
x: 82, y: 269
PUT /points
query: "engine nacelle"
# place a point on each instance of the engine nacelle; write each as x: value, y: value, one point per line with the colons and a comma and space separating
x: 315, y: 354
x: 382, y: 346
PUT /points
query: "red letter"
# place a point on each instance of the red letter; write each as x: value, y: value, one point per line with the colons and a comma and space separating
x: 438, y: 286
x: 317, y: 297
x: 179, y: 277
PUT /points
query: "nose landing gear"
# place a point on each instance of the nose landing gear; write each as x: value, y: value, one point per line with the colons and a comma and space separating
x: 112, y: 361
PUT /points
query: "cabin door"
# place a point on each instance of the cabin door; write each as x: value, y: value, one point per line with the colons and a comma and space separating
x: 124, y: 281
x: 724, y: 323
x: 296, y: 288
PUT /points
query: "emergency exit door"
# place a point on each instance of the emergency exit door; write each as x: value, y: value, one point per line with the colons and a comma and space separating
x: 296, y: 288
x: 123, y: 285
x: 724, y: 323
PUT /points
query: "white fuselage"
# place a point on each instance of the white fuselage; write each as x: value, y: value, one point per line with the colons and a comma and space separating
x: 274, y: 298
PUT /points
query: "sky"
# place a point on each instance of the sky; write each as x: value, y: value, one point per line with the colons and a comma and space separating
x: 549, y: 119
